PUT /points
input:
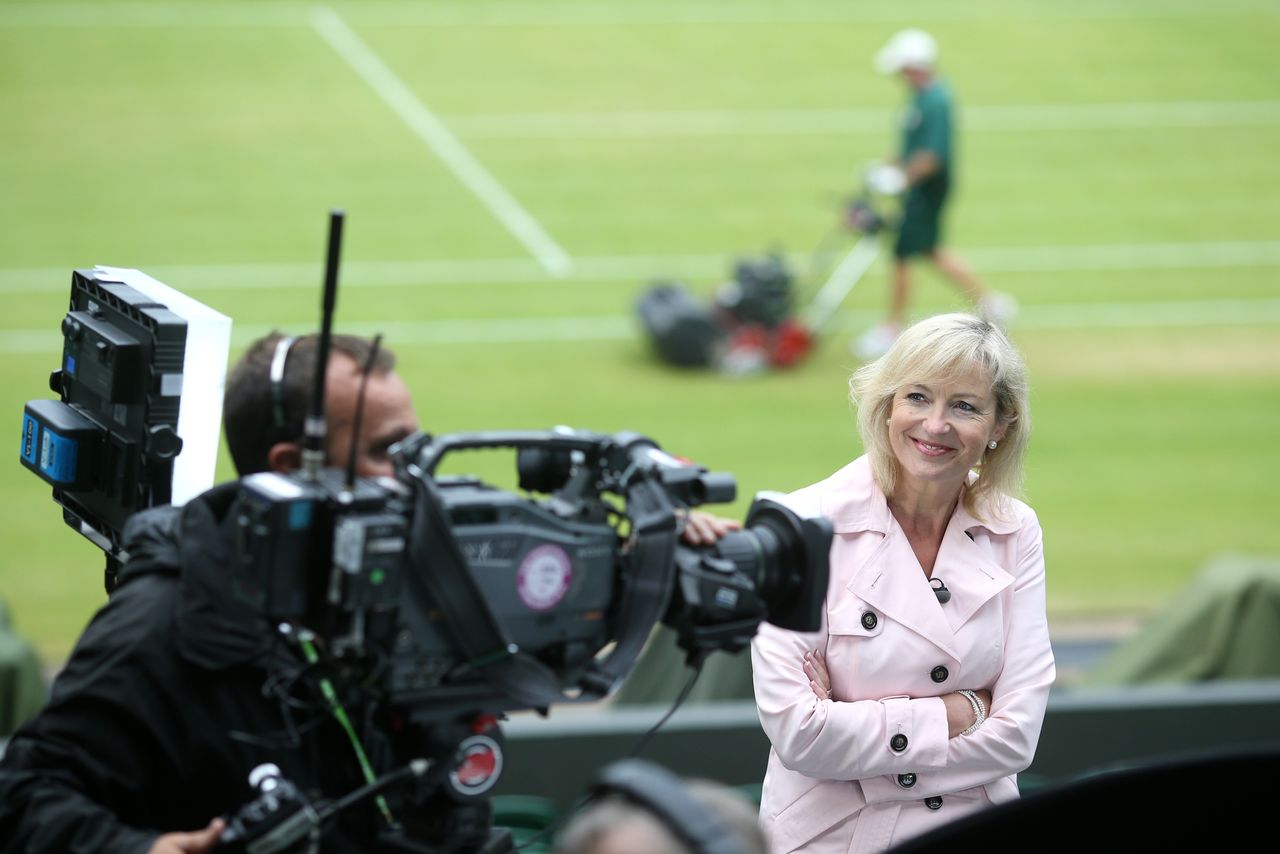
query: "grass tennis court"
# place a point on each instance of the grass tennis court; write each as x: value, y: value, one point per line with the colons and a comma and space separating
x: 515, y: 173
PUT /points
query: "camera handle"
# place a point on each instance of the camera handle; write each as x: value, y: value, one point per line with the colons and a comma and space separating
x: 617, y: 458
x: 427, y: 451
x: 414, y: 769
x: 281, y: 817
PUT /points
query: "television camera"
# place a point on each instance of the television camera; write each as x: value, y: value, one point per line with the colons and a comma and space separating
x: 442, y: 602
x: 474, y: 597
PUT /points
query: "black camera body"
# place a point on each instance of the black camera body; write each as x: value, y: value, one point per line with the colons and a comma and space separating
x: 473, y: 599
x: 452, y: 601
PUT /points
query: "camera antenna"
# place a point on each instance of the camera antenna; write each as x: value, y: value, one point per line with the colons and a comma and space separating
x: 314, y: 429
x: 358, y: 419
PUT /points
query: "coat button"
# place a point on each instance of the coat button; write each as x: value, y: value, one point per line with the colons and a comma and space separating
x: 934, y: 803
x: 939, y: 674
x: 898, y: 743
x: 869, y: 620
x: 907, y: 780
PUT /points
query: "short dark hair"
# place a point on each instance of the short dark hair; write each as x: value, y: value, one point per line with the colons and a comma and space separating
x: 249, y: 410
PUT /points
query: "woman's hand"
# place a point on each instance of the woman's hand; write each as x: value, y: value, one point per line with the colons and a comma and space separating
x: 985, y: 696
x: 815, y: 667
x: 703, y: 529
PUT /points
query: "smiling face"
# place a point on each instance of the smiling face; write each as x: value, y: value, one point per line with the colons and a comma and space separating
x: 939, y: 430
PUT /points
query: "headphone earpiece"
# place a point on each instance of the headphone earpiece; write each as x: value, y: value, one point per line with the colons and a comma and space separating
x: 665, y: 795
x: 278, y: 360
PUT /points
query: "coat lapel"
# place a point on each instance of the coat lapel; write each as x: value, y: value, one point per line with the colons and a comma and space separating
x: 891, y: 580
x: 893, y: 583
x: 968, y: 567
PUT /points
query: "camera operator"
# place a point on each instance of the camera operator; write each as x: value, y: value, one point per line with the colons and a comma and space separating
x: 178, y: 689
x: 267, y: 394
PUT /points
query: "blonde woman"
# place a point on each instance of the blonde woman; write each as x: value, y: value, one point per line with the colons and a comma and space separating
x: 922, y: 696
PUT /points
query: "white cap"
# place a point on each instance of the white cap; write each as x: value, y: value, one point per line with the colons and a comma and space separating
x: 907, y: 49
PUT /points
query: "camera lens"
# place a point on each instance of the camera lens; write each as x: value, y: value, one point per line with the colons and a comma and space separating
x: 784, y: 556
x: 774, y: 570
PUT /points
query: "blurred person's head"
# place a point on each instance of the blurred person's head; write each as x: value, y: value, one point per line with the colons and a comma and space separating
x: 911, y: 53
x: 641, y: 808
x: 268, y: 396
x: 971, y: 363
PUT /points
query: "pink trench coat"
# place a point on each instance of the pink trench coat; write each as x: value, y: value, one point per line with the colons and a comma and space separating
x: 873, y: 765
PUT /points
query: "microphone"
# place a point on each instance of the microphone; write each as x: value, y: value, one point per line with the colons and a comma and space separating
x: 940, y: 590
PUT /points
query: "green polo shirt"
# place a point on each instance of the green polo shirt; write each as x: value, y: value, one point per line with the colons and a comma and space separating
x: 926, y: 126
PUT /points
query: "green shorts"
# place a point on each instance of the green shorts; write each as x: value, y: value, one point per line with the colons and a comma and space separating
x: 920, y: 231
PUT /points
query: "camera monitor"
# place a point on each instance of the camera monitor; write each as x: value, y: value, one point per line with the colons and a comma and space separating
x: 139, y: 404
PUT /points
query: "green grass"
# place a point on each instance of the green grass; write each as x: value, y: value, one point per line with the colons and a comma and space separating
x: 1118, y: 176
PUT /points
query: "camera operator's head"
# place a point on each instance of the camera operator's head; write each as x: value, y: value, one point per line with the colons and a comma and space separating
x: 268, y: 393
x: 639, y: 807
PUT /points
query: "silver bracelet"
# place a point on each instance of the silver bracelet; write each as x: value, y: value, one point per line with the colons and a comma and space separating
x: 979, y: 711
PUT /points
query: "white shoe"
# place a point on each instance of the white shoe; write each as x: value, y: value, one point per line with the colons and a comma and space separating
x: 998, y: 308
x: 876, y: 341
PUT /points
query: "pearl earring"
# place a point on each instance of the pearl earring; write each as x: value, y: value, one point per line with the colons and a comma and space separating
x: 992, y: 444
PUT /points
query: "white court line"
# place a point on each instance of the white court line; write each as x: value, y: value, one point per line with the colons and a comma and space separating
x: 866, y: 120
x: 1130, y: 256
x: 437, y: 136
x: 518, y: 330
x: 464, y: 14
x: 635, y: 268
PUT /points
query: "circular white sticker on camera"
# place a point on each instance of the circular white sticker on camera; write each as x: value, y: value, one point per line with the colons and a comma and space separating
x: 543, y: 577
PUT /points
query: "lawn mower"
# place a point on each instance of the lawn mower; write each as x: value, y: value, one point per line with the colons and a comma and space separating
x: 752, y: 322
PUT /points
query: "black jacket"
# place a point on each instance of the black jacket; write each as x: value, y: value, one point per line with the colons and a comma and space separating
x: 172, y: 695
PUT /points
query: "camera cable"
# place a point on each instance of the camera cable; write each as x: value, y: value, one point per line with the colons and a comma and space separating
x: 554, y: 827
x: 357, y: 422
x: 695, y: 670
x: 340, y: 715
x: 414, y: 769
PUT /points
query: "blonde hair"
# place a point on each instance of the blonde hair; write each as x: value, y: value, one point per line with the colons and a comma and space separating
x: 940, y: 349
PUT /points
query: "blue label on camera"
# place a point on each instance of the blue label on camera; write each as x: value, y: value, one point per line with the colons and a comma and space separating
x: 30, y: 435
x: 70, y: 364
x: 300, y: 515
x: 58, y: 456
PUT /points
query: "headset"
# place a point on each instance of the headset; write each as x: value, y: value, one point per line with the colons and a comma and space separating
x: 278, y: 361
x: 664, y: 794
